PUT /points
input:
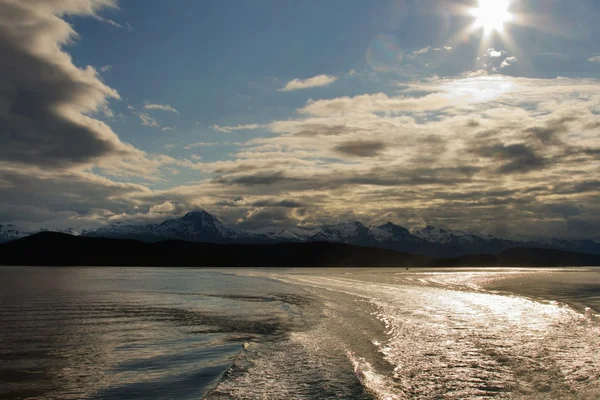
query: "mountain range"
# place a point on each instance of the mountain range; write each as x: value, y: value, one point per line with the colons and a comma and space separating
x: 200, y: 226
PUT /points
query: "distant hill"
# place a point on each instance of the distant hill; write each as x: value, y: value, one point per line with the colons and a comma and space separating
x: 50, y: 248
x: 59, y: 249
x: 526, y: 257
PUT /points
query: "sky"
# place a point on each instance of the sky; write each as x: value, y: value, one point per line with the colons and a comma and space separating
x: 475, y: 115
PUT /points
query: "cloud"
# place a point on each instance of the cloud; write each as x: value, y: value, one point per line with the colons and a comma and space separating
x: 316, y: 81
x: 361, y: 148
x: 430, y: 49
x: 45, y: 100
x: 509, y: 62
x: 167, y: 129
x: 515, y: 158
x: 595, y: 59
x: 229, y: 129
x: 162, y: 107
x: 106, y: 20
x: 422, y: 51
x: 278, y: 203
x: 445, y: 150
x: 210, y: 144
x: 495, y: 53
x: 148, y: 120
x: 105, y: 68
x: 378, y: 102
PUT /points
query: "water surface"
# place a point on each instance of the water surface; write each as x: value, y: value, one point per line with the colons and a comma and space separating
x: 164, y: 333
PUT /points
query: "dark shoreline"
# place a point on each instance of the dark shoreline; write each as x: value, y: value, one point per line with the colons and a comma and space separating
x: 56, y: 249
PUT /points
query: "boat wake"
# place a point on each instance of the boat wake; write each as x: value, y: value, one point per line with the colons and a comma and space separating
x: 428, y: 336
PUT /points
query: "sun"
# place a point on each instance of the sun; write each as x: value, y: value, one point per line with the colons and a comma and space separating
x: 491, y: 15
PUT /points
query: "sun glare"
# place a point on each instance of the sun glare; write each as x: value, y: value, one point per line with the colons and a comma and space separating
x: 492, y: 15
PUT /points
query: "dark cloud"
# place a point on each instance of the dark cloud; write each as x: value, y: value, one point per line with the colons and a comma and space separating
x: 379, y: 176
x: 588, y: 228
x: 44, y: 98
x: 549, y: 134
x: 263, y: 217
x: 563, y: 210
x: 580, y: 187
x: 258, y: 179
x: 325, y: 130
x: 361, y: 148
x: 277, y: 203
x: 516, y: 158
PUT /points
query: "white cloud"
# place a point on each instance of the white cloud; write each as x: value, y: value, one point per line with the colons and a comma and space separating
x: 162, y: 208
x: 210, y: 144
x: 229, y: 129
x: 378, y: 102
x: 429, y: 49
x: 424, y: 50
x: 167, y: 128
x: 200, y: 144
x: 105, y: 68
x: 316, y: 81
x: 162, y: 107
x: 148, y: 120
x: 509, y: 62
x: 495, y: 53
x: 108, y: 21
x: 594, y: 59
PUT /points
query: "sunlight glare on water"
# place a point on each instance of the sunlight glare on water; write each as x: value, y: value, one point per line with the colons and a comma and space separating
x: 445, y: 340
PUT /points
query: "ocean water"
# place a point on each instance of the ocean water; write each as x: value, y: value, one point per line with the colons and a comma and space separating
x: 181, y: 333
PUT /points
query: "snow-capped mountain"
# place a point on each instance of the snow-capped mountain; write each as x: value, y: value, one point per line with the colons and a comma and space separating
x: 10, y: 232
x: 446, y: 236
x: 276, y: 232
x: 352, y: 233
x: 393, y: 232
x: 396, y: 237
x: 200, y: 226
x: 456, y: 242
x: 196, y: 226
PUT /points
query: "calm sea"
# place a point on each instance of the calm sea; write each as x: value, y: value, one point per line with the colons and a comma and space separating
x: 180, y: 333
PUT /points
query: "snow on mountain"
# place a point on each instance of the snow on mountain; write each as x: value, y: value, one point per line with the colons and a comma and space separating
x: 352, y: 232
x: 200, y: 226
x: 433, y: 234
x: 304, y: 233
x: 391, y: 231
x: 447, y: 236
x: 197, y: 225
x: 70, y: 231
x: 276, y: 232
x: 193, y: 226
x: 10, y: 232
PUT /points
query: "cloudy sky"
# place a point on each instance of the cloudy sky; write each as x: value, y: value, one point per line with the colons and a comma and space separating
x: 452, y: 113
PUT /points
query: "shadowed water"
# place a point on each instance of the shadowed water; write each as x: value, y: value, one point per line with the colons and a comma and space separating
x: 114, y: 333
x: 159, y: 333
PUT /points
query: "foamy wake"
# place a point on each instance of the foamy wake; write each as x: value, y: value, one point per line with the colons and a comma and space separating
x: 379, y: 385
x: 460, y: 344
